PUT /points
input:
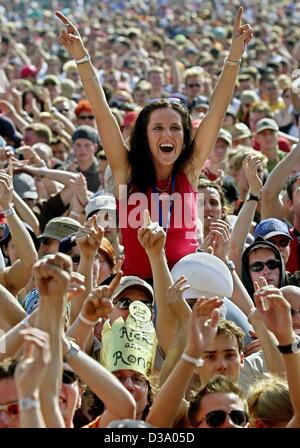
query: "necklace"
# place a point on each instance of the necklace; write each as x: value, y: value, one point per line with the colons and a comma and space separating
x: 162, y: 190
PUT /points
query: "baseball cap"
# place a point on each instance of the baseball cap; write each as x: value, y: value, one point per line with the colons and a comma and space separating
x: 7, y: 236
x: 266, y: 123
x: 24, y: 185
x: 225, y: 135
x: 131, y: 281
x: 51, y: 78
x: 268, y: 228
x: 86, y: 132
x: 9, y: 131
x: 231, y: 111
x: 240, y: 131
x: 28, y: 70
x: 206, y: 274
x: 59, y: 228
x: 248, y: 97
x: 100, y: 202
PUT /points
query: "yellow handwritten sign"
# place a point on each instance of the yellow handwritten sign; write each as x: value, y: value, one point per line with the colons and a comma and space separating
x: 130, y: 344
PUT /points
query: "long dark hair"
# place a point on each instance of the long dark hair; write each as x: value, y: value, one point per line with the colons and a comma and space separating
x: 143, y: 173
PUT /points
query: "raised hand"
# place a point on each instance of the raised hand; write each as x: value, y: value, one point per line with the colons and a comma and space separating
x: 151, y: 236
x: 178, y: 305
x: 32, y: 366
x: 6, y: 190
x: 220, y: 233
x: 52, y: 275
x: 70, y: 38
x: 251, y: 165
x: 241, y: 36
x: 76, y: 285
x: 89, y: 237
x: 203, y: 325
x: 275, y: 311
x: 98, y: 303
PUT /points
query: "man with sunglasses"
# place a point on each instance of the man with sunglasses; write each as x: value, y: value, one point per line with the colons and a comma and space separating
x: 262, y: 259
x: 219, y: 404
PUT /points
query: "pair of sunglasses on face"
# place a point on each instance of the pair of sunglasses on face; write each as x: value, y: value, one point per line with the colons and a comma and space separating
x: 258, y: 266
x: 215, y: 419
x: 124, y: 303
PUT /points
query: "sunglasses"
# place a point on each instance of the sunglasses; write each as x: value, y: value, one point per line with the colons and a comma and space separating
x: 259, y: 265
x: 193, y: 85
x: 86, y: 117
x: 138, y: 380
x: 281, y: 243
x: 124, y: 303
x: 215, y: 419
x: 10, y: 408
x: 69, y: 377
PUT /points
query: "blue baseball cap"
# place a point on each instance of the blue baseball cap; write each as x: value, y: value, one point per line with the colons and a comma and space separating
x: 271, y: 227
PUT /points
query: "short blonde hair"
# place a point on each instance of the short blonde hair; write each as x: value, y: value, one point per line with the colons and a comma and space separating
x: 236, y: 161
x: 269, y: 399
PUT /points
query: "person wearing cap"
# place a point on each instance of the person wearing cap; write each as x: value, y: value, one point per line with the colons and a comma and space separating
x: 84, y: 114
x: 248, y: 98
x: 266, y: 135
x: 277, y: 232
x: 241, y: 135
x: 215, y: 163
x: 29, y: 72
x: 104, y: 207
x: 55, y: 230
x: 133, y: 375
x: 9, y: 132
x: 52, y: 84
x: 230, y: 118
x: 85, y: 142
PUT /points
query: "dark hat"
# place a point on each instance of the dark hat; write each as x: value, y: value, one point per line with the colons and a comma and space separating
x: 8, y: 130
x: 25, y: 186
x: 86, y: 132
x: 7, y: 236
x: 268, y: 228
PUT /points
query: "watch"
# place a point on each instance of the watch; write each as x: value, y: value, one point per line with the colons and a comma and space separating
x: 230, y: 264
x: 290, y: 348
x: 252, y: 197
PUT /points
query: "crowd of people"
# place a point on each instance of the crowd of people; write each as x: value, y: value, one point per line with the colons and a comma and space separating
x: 150, y: 217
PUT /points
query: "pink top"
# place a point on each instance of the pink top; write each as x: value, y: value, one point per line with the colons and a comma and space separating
x: 181, y: 236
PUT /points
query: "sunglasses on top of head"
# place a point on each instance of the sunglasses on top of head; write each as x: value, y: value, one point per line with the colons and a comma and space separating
x: 124, y: 303
x: 215, y: 419
x: 259, y: 265
x: 284, y: 242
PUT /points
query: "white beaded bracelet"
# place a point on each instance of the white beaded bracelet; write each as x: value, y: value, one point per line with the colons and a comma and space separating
x: 27, y: 403
x: 88, y: 322
x: 198, y: 362
x: 85, y: 58
x: 9, y: 211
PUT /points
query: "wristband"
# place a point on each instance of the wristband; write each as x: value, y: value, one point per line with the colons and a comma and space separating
x: 86, y: 321
x: 85, y: 58
x: 9, y: 211
x: 232, y: 63
x: 73, y: 351
x: 198, y: 362
x: 27, y: 403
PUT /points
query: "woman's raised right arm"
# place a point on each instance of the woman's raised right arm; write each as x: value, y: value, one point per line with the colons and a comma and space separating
x: 110, y: 134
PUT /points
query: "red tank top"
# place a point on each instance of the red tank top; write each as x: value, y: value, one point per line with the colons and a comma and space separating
x: 181, y: 235
x: 293, y: 263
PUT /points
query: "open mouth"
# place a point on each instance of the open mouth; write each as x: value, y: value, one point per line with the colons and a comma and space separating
x: 166, y: 147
